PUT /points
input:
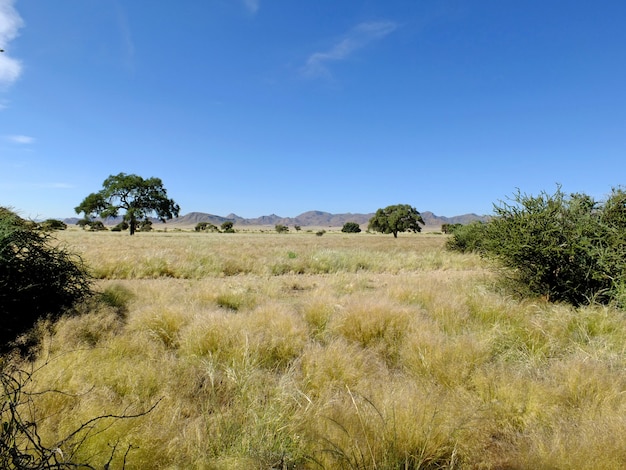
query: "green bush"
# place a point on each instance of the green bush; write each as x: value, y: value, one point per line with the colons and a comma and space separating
x: 281, y: 228
x: 565, y: 248
x: 53, y: 224
x: 123, y: 225
x: 351, y: 227
x: 37, y: 277
x: 467, y: 238
x: 227, y: 226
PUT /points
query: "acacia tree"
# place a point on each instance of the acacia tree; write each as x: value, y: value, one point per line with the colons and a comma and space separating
x: 137, y: 196
x: 397, y: 218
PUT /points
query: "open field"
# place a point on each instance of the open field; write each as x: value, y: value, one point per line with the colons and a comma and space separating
x: 343, y: 351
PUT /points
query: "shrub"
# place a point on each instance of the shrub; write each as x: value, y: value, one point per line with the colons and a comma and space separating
x: 281, y: 228
x: 450, y: 228
x: 97, y: 226
x: 145, y: 226
x: 467, y: 238
x: 205, y: 227
x: 319, y: 233
x: 227, y: 227
x: 351, y: 227
x: 565, y: 248
x: 119, y: 227
x: 37, y: 278
x: 53, y: 224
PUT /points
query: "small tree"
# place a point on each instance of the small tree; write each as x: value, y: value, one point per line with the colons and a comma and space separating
x: 351, y: 227
x: 137, y: 196
x: 297, y: 227
x: 227, y: 226
x: 281, y: 228
x: 397, y: 218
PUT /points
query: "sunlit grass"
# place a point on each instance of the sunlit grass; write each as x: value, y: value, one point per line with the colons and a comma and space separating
x: 298, y: 351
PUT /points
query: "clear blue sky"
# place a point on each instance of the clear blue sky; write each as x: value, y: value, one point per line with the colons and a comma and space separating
x: 282, y: 106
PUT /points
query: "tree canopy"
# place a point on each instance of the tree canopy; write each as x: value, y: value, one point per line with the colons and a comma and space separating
x: 397, y: 218
x: 138, y: 197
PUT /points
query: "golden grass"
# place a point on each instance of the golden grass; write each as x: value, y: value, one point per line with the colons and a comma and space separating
x: 342, y: 351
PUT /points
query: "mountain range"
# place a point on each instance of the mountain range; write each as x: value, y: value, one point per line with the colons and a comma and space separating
x: 306, y: 219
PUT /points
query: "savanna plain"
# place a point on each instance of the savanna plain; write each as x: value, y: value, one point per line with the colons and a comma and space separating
x: 295, y: 351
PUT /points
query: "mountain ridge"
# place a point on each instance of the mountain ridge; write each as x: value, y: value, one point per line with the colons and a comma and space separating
x: 316, y: 218
x: 312, y: 218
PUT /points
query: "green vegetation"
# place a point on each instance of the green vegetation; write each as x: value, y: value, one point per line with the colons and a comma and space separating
x: 281, y: 228
x: 137, y: 197
x: 227, y: 226
x: 38, y: 278
x: 565, y: 248
x: 205, y: 227
x: 396, y: 219
x: 53, y: 224
x: 351, y: 227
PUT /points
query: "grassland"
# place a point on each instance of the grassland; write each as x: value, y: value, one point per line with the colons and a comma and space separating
x: 341, y: 351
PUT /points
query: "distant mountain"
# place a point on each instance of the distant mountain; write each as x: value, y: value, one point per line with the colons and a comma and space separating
x: 316, y: 219
x: 306, y: 219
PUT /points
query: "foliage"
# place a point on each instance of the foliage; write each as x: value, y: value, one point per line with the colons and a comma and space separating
x: 281, y: 228
x: 53, y: 224
x: 37, y: 277
x: 137, y: 197
x: 94, y: 225
x: 123, y: 225
x: 351, y: 227
x: 397, y: 218
x: 205, y: 227
x: 297, y: 227
x: 467, y: 238
x: 227, y: 226
x: 450, y: 228
x: 145, y: 225
x: 565, y: 248
x: 319, y: 233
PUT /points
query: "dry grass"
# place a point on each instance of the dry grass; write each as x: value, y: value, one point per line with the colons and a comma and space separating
x: 341, y: 351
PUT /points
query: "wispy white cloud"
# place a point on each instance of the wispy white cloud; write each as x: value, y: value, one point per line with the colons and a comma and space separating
x: 10, y: 23
x: 55, y: 186
x: 252, y: 5
x: 19, y: 139
x: 126, y: 36
x: 357, y: 38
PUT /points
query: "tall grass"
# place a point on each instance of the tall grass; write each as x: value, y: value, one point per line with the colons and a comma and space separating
x: 361, y: 351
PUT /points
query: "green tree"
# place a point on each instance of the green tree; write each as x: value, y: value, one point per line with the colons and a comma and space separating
x: 138, y: 197
x: 227, y: 226
x: 281, y: 228
x: 351, y: 227
x: 397, y: 218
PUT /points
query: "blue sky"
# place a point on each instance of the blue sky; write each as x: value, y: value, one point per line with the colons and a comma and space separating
x: 256, y: 107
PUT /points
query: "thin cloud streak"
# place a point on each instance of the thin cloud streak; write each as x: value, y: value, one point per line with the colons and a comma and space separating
x: 357, y: 38
x: 20, y: 139
x: 252, y: 5
x: 10, y: 23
